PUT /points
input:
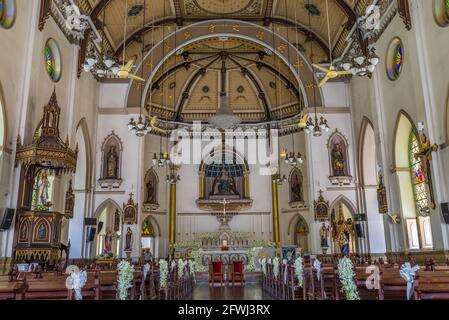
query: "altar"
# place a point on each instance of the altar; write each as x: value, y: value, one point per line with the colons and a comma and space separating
x: 224, y: 256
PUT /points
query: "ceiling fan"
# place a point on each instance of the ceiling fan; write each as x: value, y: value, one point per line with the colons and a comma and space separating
x: 125, y: 70
x: 331, y: 72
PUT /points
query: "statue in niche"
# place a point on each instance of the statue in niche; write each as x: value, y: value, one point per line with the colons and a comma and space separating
x: 41, y: 201
x: 296, y: 189
x: 108, y: 241
x: 42, y: 232
x: 224, y: 184
x: 151, y: 196
x: 112, y: 164
x: 116, y: 221
x: 69, y: 201
x: 343, y: 242
x: 338, y: 160
x: 24, y: 231
x: 128, y: 239
x: 324, y: 235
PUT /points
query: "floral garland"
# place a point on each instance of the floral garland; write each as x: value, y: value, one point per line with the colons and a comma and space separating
x: 299, y: 271
x: 163, y: 271
x: 276, y: 267
x: 181, y: 266
x: 346, y: 274
x: 125, y: 277
x: 263, y: 264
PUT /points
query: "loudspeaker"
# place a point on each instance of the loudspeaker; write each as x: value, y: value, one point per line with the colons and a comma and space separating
x: 359, y: 230
x: 445, y: 211
x: 91, y: 234
x: 90, y: 221
x: 6, y: 219
x: 100, y: 226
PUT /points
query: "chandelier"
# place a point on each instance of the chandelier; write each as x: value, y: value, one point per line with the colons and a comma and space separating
x: 292, y: 158
x: 315, y: 127
x: 140, y: 128
x: 280, y: 180
x: 360, y: 64
x: 172, y: 176
x: 162, y: 160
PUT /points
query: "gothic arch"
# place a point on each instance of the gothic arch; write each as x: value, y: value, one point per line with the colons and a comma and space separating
x: 296, y: 186
x: 151, y: 175
x: 84, y: 155
x: 404, y: 125
x: 348, y: 203
x: 294, y: 222
x: 154, y: 224
x: 104, y: 205
x: 367, y: 156
x: 3, y: 123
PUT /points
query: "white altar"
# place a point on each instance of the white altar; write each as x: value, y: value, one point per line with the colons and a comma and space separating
x: 224, y: 256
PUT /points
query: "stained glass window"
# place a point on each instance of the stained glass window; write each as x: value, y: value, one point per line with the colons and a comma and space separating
x: 395, y: 59
x: 7, y: 13
x: 53, y: 60
x: 441, y: 12
x: 418, y: 181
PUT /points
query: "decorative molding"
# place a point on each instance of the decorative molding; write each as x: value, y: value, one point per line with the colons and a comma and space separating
x: 404, y: 13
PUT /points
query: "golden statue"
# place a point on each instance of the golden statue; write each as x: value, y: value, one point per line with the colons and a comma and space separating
x: 425, y: 156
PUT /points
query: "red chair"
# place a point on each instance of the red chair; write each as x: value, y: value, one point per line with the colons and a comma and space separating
x: 216, y: 273
x: 238, y: 273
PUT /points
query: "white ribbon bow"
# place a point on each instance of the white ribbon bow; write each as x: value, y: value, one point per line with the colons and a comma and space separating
x: 317, y: 266
x: 146, y: 268
x: 78, y: 280
x: 408, y: 273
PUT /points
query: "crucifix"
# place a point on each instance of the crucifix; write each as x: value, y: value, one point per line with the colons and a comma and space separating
x: 425, y: 156
x: 223, y: 219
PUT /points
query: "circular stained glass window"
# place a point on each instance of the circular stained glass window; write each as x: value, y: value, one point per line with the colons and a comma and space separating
x: 53, y: 62
x: 395, y: 59
x: 7, y: 13
x: 441, y: 12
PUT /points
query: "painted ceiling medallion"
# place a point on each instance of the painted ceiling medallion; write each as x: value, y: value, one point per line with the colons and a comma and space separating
x: 220, y: 7
x: 313, y: 9
x: 135, y: 10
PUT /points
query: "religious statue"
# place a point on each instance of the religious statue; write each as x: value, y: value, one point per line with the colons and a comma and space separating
x: 150, y: 192
x: 343, y: 242
x: 129, y: 240
x: 69, y: 201
x: 41, y: 200
x: 338, y: 160
x: 324, y: 235
x: 382, y: 196
x: 224, y: 184
x: 108, y: 241
x: 296, y: 189
x: 112, y: 164
x: 425, y: 155
x: 146, y: 228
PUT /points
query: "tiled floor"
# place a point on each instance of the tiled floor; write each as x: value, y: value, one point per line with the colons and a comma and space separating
x: 203, y: 291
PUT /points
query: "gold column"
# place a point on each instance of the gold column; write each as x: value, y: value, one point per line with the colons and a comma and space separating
x: 246, y: 184
x: 202, y: 192
x: 172, y: 224
x: 275, y: 209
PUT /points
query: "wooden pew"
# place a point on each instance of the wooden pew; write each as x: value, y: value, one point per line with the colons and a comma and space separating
x: 107, y: 283
x: 432, y: 285
x: 295, y: 292
x: 392, y: 286
x: 12, y: 290
x: 365, y: 293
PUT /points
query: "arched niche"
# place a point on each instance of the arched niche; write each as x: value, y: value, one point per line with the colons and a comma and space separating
x: 338, y: 148
x: 151, y: 183
x: 109, y: 223
x: 367, y: 154
x: 344, y: 237
x: 271, y: 41
x: 111, y: 162
x: 301, y: 233
x: 83, y: 174
x: 296, y: 188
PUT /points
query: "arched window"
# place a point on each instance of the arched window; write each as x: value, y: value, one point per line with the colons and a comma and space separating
x: 2, y: 128
x: 419, y: 187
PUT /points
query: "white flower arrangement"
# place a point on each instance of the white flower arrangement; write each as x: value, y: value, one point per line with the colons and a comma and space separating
x: 163, y: 272
x: 197, y: 256
x: 181, y: 266
x: 192, y: 268
x: 251, y: 254
x: 299, y: 271
x: 77, y: 280
x: 125, y: 278
x: 263, y: 266
x: 276, y: 267
x: 346, y: 274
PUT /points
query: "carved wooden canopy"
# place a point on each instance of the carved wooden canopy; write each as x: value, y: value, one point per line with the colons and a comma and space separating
x: 48, y: 150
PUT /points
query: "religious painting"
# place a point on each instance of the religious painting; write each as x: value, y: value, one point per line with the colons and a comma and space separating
x: 321, y: 208
x: 130, y: 211
x: 23, y: 231
x: 225, y: 176
x: 116, y: 220
x: 296, y: 187
x: 382, y: 196
x: 42, y: 189
x: 42, y: 231
x: 69, y: 202
x: 151, y: 187
x: 111, y: 161
x: 338, y: 159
